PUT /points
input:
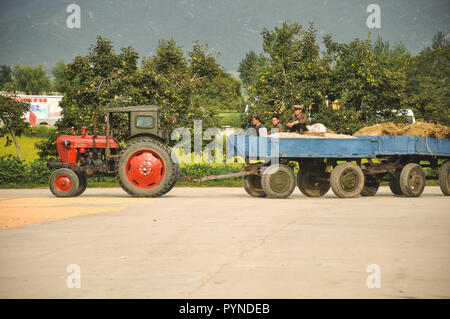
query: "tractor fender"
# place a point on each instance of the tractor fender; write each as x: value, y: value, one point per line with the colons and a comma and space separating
x: 134, y: 138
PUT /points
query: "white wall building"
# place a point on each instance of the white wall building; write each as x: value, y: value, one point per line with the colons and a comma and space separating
x: 44, y: 107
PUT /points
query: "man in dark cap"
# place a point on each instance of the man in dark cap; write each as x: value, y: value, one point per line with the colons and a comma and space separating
x: 299, y: 120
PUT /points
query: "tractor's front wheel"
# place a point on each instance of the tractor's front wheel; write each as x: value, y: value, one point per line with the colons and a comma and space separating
x: 64, y: 183
x: 83, y: 184
x: 145, y: 168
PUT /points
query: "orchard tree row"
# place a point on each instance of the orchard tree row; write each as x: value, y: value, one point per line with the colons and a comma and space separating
x: 345, y: 86
x: 186, y: 86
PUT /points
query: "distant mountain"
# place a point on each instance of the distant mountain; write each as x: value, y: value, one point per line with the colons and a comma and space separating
x: 35, y: 31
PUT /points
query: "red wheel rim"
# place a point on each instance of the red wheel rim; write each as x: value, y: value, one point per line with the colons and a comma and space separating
x: 63, y: 183
x: 145, y: 169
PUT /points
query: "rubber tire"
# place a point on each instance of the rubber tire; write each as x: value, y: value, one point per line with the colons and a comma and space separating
x: 444, y: 178
x: 394, y: 185
x: 404, y: 177
x: 336, y: 175
x: 371, y: 186
x: 73, y: 178
x: 268, y: 178
x: 176, y: 170
x: 171, y: 168
x: 307, y: 188
x: 252, y: 185
x: 83, y: 184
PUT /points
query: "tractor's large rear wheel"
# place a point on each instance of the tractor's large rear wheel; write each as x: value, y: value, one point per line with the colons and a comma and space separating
x: 145, y: 168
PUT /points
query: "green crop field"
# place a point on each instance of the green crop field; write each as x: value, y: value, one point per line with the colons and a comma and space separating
x: 27, y: 148
x: 232, y: 119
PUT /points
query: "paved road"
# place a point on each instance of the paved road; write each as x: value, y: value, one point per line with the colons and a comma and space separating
x: 220, y: 243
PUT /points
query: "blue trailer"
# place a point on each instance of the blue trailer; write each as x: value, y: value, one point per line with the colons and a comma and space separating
x: 350, y: 166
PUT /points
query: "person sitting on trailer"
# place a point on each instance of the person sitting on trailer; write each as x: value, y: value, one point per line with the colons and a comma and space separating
x: 259, y: 127
x: 298, y: 123
x: 276, y: 123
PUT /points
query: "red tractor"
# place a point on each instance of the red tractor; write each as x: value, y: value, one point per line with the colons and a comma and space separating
x: 146, y: 167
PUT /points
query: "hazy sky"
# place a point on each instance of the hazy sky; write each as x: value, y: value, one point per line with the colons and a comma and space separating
x: 36, y: 31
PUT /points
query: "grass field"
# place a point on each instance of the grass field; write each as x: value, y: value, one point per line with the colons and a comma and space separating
x: 27, y: 148
x: 232, y: 119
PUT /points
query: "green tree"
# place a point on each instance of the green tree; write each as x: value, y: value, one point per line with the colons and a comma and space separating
x: 100, y: 79
x: 31, y: 79
x: 61, y: 83
x: 398, y: 50
x: 294, y: 74
x: 249, y: 67
x: 5, y: 75
x: 187, y: 88
x: 179, y: 84
x: 364, y: 81
x: 216, y: 89
x: 440, y: 41
x: 428, y: 88
x: 168, y: 80
x: 12, y: 116
x: 381, y: 46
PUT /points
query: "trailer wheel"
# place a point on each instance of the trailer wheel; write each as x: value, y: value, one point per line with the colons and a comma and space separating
x: 64, y: 183
x: 145, y: 169
x: 347, y: 180
x: 444, y: 178
x: 371, y: 185
x: 412, y: 180
x: 252, y: 185
x: 278, y: 181
x: 83, y: 184
x: 394, y: 185
x: 309, y: 185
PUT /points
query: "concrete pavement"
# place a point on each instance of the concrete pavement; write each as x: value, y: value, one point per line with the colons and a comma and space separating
x: 221, y: 243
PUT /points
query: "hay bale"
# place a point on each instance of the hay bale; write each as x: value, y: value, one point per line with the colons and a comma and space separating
x: 425, y: 129
x: 415, y: 129
x: 389, y: 129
